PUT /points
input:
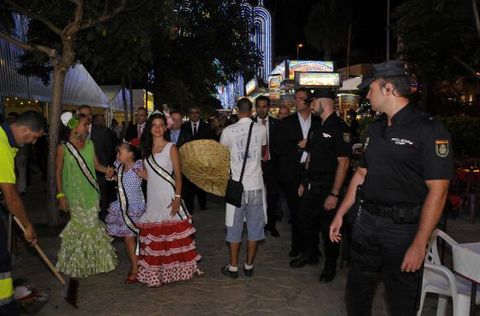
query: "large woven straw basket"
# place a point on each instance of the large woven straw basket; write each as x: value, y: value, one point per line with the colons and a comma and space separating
x: 207, y: 164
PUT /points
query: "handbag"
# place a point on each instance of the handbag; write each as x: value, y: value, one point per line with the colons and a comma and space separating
x: 234, y: 192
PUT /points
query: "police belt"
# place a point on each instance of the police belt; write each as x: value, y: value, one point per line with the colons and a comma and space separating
x: 400, y: 214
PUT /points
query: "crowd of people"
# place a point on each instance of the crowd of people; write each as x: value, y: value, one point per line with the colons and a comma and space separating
x: 400, y: 187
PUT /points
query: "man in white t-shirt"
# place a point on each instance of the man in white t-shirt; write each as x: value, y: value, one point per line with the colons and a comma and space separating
x: 253, y: 208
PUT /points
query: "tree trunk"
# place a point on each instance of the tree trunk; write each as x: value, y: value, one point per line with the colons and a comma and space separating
x: 53, y: 129
x: 60, y: 68
x: 131, y: 98
x: 124, y: 99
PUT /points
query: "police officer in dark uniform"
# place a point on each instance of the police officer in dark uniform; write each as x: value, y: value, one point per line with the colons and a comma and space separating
x: 329, y: 150
x: 404, y: 177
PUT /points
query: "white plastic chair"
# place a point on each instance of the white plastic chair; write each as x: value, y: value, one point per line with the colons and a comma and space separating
x: 440, y: 280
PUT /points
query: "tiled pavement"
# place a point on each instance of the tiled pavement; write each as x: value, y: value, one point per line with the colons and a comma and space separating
x: 274, y: 289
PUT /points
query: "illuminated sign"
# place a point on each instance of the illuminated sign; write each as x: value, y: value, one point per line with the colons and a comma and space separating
x: 274, y: 82
x: 317, y: 79
x: 308, y: 66
x: 251, y: 86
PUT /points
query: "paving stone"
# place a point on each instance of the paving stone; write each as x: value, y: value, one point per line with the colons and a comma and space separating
x: 274, y: 289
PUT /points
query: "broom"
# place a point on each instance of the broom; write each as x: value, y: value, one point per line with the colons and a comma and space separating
x: 71, y: 287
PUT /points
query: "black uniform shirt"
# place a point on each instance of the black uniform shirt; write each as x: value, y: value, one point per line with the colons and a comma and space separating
x: 399, y: 158
x: 325, y: 143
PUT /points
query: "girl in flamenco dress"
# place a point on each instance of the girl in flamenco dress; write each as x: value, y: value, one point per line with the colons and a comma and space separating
x: 123, y: 214
x: 167, y: 250
x: 85, y: 249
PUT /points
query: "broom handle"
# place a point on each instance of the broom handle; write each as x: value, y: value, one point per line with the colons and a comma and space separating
x: 42, y: 254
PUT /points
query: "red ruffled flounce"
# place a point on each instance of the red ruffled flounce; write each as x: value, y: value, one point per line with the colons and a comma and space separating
x: 167, y: 253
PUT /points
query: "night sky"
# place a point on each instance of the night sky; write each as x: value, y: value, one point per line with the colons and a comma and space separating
x: 368, y: 30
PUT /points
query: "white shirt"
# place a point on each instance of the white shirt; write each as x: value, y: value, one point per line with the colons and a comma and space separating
x: 305, y: 124
x: 267, y: 125
x: 140, y: 128
x: 235, y: 138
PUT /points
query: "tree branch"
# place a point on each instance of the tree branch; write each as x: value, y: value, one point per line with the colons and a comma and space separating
x: 104, y: 17
x: 477, y: 18
x: 29, y: 13
x: 465, y: 65
x: 50, y: 52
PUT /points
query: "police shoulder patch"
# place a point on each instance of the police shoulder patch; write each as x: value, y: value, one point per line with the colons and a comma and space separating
x: 442, y: 148
x: 346, y: 137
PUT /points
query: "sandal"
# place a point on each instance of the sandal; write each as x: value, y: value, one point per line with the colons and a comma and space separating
x: 131, y: 278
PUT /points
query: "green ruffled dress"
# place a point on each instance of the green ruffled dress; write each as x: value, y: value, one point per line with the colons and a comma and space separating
x: 86, y: 249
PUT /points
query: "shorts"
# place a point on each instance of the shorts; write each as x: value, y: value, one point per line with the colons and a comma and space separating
x: 250, y: 212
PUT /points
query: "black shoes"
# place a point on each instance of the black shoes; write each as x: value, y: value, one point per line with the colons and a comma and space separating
x: 303, y: 261
x: 248, y: 272
x: 273, y: 231
x: 232, y: 274
x: 293, y: 253
x: 327, y: 275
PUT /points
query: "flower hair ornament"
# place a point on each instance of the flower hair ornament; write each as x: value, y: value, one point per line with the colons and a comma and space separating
x: 69, y: 120
x: 167, y: 116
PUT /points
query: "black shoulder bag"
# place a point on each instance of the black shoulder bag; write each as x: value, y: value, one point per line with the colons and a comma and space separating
x: 233, y: 194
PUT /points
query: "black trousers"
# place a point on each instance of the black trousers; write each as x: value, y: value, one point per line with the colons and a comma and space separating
x: 190, y: 190
x: 271, y: 184
x: 378, y: 248
x: 291, y: 194
x: 313, y: 218
x: 104, y: 202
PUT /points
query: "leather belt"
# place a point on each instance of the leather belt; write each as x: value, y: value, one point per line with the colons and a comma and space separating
x: 400, y: 214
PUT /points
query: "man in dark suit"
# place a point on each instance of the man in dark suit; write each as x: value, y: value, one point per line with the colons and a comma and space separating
x: 290, y: 146
x: 103, y: 141
x: 269, y: 161
x: 136, y: 130
x: 195, y: 129
x: 176, y: 134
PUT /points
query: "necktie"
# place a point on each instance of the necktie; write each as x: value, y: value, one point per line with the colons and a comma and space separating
x: 266, y: 154
x: 194, y: 129
x: 139, y: 131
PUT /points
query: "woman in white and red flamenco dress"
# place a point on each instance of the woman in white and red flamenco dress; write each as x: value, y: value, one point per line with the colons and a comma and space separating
x: 167, y: 250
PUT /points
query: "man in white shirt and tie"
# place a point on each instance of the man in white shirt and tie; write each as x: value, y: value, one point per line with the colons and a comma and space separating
x: 269, y: 161
x: 136, y: 130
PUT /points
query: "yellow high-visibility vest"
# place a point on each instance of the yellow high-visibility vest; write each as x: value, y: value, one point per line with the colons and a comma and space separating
x: 6, y: 288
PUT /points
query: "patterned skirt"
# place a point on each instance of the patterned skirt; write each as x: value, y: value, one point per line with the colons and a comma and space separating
x: 167, y: 253
x: 85, y: 248
x: 116, y: 224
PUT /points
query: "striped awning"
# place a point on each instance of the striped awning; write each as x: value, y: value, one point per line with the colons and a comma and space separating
x: 115, y: 97
x: 80, y: 88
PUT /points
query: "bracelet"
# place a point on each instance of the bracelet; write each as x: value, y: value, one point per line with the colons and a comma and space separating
x: 60, y: 195
x: 334, y: 195
x: 178, y: 196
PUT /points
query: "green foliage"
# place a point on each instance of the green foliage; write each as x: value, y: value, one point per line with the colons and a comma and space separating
x: 438, y: 38
x: 122, y: 47
x: 327, y: 27
x: 465, y: 135
x: 192, y: 45
x: 210, y: 46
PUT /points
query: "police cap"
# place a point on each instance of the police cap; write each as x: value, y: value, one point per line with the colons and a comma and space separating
x: 391, y: 68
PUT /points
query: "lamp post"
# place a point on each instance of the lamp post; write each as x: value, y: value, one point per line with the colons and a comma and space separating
x: 299, y: 45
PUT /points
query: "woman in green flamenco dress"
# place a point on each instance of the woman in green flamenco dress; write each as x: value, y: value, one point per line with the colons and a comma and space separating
x: 85, y: 249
